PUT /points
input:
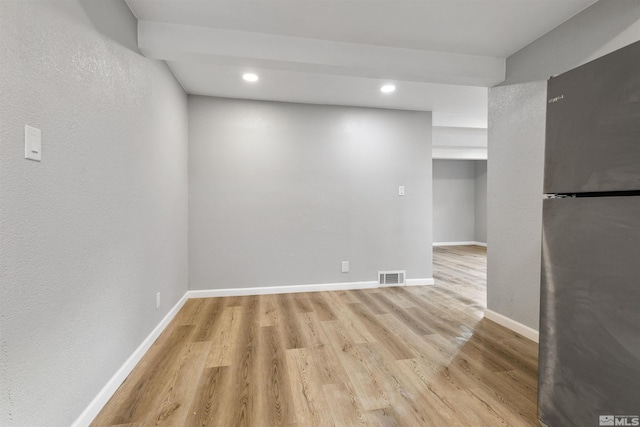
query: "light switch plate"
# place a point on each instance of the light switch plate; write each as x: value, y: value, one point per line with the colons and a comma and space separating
x: 401, y: 190
x: 32, y: 143
x: 345, y: 266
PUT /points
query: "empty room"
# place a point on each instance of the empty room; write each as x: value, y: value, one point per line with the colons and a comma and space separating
x: 319, y: 213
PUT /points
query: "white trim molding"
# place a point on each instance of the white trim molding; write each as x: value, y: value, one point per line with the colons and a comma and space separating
x: 463, y: 243
x: 272, y: 290
x: 515, y: 326
x: 320, y: 287
x: 420, y: 282
x: 98, y: 402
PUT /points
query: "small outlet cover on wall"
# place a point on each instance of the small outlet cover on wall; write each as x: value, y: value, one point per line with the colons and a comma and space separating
x: 345, y: 266
x: 157, y: 300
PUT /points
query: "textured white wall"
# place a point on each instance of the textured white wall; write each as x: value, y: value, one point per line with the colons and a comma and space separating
x: 605, y: 26
x: 281, y: 193
x: 454, y: 200
x: 514, y: 194
x: 481, y: 201
x: 90, y: 234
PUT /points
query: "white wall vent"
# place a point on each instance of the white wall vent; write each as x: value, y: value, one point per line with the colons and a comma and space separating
x: 391, y: 278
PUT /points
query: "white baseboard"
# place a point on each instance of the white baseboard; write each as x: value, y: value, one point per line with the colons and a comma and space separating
x: 420, y: 282
x: 269, y: 290
x: 320, y: 287
x: 509, y: 323
x: 112, y: 385
x: 465, y: 243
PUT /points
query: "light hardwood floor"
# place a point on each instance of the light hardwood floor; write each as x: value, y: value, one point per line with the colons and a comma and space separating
x: 414, y: 356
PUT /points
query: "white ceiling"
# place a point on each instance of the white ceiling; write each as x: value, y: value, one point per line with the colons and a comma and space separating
x: 441, y: 54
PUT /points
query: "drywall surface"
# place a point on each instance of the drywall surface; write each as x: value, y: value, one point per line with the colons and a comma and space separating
x: 481, y: 201
x: 91, y: 233
x: 605, y: 26
x: 459, y: 143
x: 514, y: 194
x: 459, y: 201
x: 453, y: 201
x: 280, y: 193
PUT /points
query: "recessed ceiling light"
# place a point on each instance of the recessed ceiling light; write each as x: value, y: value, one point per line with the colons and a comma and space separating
x: 387, y: 88
x: 250, y: 77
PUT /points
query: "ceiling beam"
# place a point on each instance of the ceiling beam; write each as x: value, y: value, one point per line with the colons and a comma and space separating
x: 174, y: 42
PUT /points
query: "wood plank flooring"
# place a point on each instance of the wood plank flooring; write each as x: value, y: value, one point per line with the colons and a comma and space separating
x: 403, y: 356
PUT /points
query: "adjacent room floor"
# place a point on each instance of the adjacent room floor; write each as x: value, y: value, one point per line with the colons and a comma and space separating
x: 401, y: 356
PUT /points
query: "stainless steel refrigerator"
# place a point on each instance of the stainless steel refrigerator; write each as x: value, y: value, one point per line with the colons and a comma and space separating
x: 589, y: 365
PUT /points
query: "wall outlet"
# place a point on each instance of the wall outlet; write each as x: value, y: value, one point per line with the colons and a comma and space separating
x: 345, y: 266
x: 158, y: 301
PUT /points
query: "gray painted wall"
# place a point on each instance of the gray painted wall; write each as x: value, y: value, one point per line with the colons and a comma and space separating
x: 516, y: 153
x: 459, y: 201
x: 454, y: 200
x: 516, y: 145
x: 90, y: 234
x: 281, y: 193
x: 605, y: 26
x: 481, y: 201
